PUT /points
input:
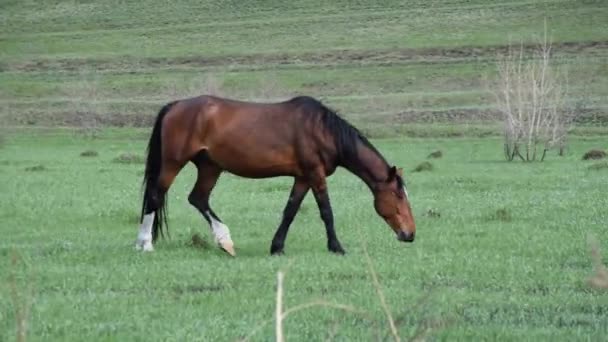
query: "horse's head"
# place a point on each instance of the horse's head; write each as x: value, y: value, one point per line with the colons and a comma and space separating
x: 392, y: 204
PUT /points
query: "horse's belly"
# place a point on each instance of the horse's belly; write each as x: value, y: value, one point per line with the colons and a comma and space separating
x: 260, y: 164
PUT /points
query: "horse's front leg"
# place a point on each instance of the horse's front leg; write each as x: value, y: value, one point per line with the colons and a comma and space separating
x: 319, y: 189
x: 298, y: 192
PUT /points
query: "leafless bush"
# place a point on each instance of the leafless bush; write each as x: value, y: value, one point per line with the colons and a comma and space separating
x: 531, y: 96
x: 268, y: 88
x: 208, y: 84
x: 86, y: 102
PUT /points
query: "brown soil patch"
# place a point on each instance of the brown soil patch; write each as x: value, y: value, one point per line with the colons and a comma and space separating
x: 594, y: 154
x: 426, y: 55
x: 435, y: 155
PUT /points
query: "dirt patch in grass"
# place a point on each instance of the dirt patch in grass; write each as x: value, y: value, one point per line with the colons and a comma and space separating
x: 89, y: 153
x: 382, y: 57
x: 197, y: 289
x: 197, y: 241
x: 502, y: 214
x: 36, y: 168
x: 594, y: 154
x: 424, y: 166
x: 435, y: 155
x: 129, y: 158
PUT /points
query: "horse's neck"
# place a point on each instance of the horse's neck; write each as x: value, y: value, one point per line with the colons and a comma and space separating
x: 369, y: 167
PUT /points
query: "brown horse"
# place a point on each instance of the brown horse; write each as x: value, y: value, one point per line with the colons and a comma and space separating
x: 301, y: 138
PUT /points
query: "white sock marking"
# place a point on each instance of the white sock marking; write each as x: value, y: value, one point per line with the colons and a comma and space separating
x: 220, y: 230
x: 144, y: 238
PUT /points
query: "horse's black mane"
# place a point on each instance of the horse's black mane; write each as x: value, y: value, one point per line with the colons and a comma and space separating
x: 346, y: 136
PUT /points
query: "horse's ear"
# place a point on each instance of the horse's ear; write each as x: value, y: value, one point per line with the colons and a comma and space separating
x: 400, y: 172
x: 392, y: 172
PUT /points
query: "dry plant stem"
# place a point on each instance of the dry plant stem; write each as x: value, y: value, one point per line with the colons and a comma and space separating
x: 279, y: 308
x: 22, y: 306
x: 389, y: 316
x: 600, y: 278
x: 281, y: 314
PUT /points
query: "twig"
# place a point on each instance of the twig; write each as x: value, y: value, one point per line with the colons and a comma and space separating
x: 279, y: 308
x: 389, y: 317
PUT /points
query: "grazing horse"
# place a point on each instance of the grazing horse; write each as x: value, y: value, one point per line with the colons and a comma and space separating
x: 301, y: 138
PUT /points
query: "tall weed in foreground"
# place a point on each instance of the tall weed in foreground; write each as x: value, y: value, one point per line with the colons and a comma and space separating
x: 599, y: 280
x: 423, y: 330
x: 21, y: 298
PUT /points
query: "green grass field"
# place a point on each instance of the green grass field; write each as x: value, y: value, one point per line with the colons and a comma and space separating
x: 514, y: 276
x: 507, y: 258
x: 388, y: 60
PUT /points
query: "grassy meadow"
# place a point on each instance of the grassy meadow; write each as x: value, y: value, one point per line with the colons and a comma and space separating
x: 507, y: 259
x: 502, y: 249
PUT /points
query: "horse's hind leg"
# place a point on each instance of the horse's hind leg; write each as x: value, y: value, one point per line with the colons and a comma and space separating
x: 208, y: 174
x: 298, y: 192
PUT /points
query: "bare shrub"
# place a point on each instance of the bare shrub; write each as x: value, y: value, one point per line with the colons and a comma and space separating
x: 208, y: 84
x: 531, y: 97
x: 268, y: 88
x: 86, y: 102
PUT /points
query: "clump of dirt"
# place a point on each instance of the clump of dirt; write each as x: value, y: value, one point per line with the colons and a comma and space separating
x: 199, y: 242
x: 599, y: 166
x: 89, y: 153
x: 129, y: 158
x: 433, y: 213
x: 35, y: 168
x: 501, y: 214
x: 435, y: 155
x: 594, y: 154
x: 424, y: 166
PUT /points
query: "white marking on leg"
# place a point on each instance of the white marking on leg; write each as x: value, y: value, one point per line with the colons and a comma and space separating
x: 220, y: 231
x: 144, y: 238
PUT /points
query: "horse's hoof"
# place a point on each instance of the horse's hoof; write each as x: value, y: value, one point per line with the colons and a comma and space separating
x: 276, y: 249
x: 277, y: 252
x: 144, y: 246
x: 337, y: 250
x: 228, y: 247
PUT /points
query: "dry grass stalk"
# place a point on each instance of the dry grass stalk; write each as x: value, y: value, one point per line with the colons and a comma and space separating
x: 600, y: 278
x: 281, y: 313
x: 387, y: 311
x: 21, y: 305
x: 279, y: 308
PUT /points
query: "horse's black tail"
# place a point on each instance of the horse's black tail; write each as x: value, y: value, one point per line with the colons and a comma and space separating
x: 154, y: 199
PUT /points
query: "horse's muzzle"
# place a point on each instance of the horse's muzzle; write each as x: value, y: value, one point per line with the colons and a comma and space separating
x: 405, y: 236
